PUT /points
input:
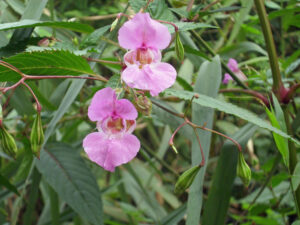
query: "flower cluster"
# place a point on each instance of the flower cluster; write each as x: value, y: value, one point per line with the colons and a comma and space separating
x: 233, y: 66
x: 145, y: 37
x: 114, y: 144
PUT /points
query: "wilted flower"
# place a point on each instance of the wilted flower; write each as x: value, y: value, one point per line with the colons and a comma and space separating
x: 233, y: 66
x: 113, y: 144
x: 145, y: 38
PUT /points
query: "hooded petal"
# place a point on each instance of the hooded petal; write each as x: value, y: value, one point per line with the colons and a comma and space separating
x: 110, y: 152
x: 102, y: 104
x: 143, y: 32
x: 121, y: 151
x: 125, y: 109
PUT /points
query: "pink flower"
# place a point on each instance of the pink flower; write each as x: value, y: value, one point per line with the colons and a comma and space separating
x: 233, y: 66
x: 113, y: 144
x: 227, y: 78
x: 145, y: 38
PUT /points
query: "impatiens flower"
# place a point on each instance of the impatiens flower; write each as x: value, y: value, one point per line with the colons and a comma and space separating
x: 145, y: 37
x: 233, y: 66
x: 113, y: 144
x: 227, y: 78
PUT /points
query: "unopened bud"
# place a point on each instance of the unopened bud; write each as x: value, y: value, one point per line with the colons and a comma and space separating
x: 44, y: 42
x: 179, y: 47
x: 8, y: 143
x: 114, y: 24
x: 174, y: 148
x: 37, y: 135
x: 243, y: 170
x: 186, y: 179
x: 144, y: 105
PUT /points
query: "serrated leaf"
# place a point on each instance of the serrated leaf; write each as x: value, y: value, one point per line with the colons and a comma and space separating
x: 78, y: 27
x: 45, y: 63
x: 136, y: 5
x: 114, y: 82
x: 63, y: 168
x: 229, y: 108
x: 185, y: 26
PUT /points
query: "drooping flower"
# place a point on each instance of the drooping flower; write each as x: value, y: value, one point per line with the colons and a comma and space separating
x: 113, y: 144
x: 145, y: 37
x: 227, y: 78
x: 233, y: 66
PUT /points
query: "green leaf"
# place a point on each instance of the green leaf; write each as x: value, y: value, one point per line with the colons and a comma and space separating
x: 201, y: 115
x: 63, y: 168
x: 78, y: 27
x: 94, y: 37
x: 114, y: 82
x: 217, y: 204
x: 185, y: 26
x: 229, y: 108
x: 45, y: 63
x: 174, y: 217
x: 136, y: 5
x: 278, y: 121
x: 5, y: 182
x: 193, y: 51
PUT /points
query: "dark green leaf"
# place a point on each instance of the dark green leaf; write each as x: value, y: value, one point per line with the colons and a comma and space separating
x: 78, y: 27
x: 5, y: 182
x: 64, y: 169
x: 45, y: 63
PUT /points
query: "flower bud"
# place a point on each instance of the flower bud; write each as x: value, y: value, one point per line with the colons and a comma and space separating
x: 144, y: 105
x: 186, y: 179
x: 243, y: 170
x: 44, y: 42
x: 114, y: 24
x: 179, y: 47
x: 8, y: 143
x: 37, y: 136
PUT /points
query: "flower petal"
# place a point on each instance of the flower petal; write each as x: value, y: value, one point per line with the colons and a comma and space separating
x: 121, y: 151
x: 135, y: 78
x: 96, y: 146
x: 110, y: 152
x: 143, y: 32
x: 162, y: 75
x: 125, y: 109
x: 154, y: 77
x: 102, y: 104
x: 233, y: 65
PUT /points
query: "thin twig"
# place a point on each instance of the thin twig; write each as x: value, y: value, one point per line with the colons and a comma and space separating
x: 38, y: 105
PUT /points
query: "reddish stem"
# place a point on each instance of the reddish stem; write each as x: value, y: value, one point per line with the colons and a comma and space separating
x: 4, y: 90
x: 38, y: 105
x: 175, y: 132
x: 290, y: 93
x: 172, y: 24
x: 250, y: 92
x: 201, y: 149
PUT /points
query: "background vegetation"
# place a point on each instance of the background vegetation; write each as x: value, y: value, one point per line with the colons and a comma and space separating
x: 64, y: 187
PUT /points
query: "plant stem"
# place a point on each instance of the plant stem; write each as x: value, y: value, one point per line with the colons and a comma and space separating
x: 267, y: 32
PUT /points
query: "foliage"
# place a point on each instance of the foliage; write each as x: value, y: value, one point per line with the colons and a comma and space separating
x: 71, y: 43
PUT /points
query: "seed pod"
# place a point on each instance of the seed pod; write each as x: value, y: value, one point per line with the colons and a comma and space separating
x: 37, y: 135
x: 114, y: 24
x: 243, y: 170
x: 8, y: 143
x: 186, y: 179
x: 179, y: 47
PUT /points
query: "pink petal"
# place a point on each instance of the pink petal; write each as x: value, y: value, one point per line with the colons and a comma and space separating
x: 135, y: 78
x: 96, y: 145
x: 121, y: 151
x: 143, y: 32
x: 154, y: 77
x: 162, y: 75
x: 125, y: 109
x: 102, y: 104
x: 233, y: 65
x: 109, y: 153
x: 227, y: 78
